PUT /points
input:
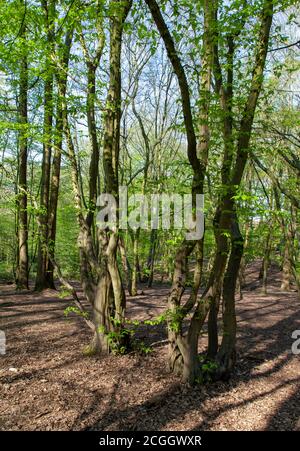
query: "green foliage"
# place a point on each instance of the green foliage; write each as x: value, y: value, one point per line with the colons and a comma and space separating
x: 118, y: 339
x: 140, y: 347
x: 64, y: 293
x: 207, y: 370
x: 76, y: 310
x: 156, y: 321
x: 174, y: 317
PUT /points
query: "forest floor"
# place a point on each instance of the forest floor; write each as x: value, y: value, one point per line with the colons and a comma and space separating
x: 47, y: 383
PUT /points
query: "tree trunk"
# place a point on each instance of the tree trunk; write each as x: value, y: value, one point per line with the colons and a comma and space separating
x: 213, y: 339
x: 61, y: 74
x: 151, y: 258
x: 227, y: 354
x: 22, y: 268
x: 286, y: 266
x: 94, y: 163
x: 242, y: 272
x: 43, y: 279
x: 110, y: 301
x: 135, y: 266
x: 265, y: 264
x: 212, y: 326
x: 126, y: 265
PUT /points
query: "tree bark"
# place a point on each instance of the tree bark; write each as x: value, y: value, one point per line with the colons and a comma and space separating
x: 151, y: 258
x: 135, y: 266
x: 266, y: 263
x: 286, y: 266
x: 43, y: 280
x: 126, y: 265
x: 22, y: 269
x: 227, y: 354
x: 110, y: 300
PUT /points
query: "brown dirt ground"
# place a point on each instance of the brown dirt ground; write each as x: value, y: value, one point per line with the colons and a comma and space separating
x: 46, y: 383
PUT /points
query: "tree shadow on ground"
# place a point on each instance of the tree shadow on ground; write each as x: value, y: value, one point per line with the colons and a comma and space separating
x: 287, y: 415
x: 262, y: 339
x: 177, y: 401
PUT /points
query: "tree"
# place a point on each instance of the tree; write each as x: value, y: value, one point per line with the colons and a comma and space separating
x: 44, y: 278
x: 100, y: 278
x: 229, y: 240
x: 22, y: 260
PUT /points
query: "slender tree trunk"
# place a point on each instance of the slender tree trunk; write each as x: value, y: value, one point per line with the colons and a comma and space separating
x: 227, y: 354
x: 212, y: 326
x: 61, y: 74
x: 22, y: 260
x: 54, y: 190
x: 266, y: 263
x: 43, y: 280
x: 151, y: 257
x: 94, y: 163
x: 135, y: 266
x: 213, y: 339
x: 242, y: 272
x: 293, y: 249
x: 126, y: 265
x: 287, y: 274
